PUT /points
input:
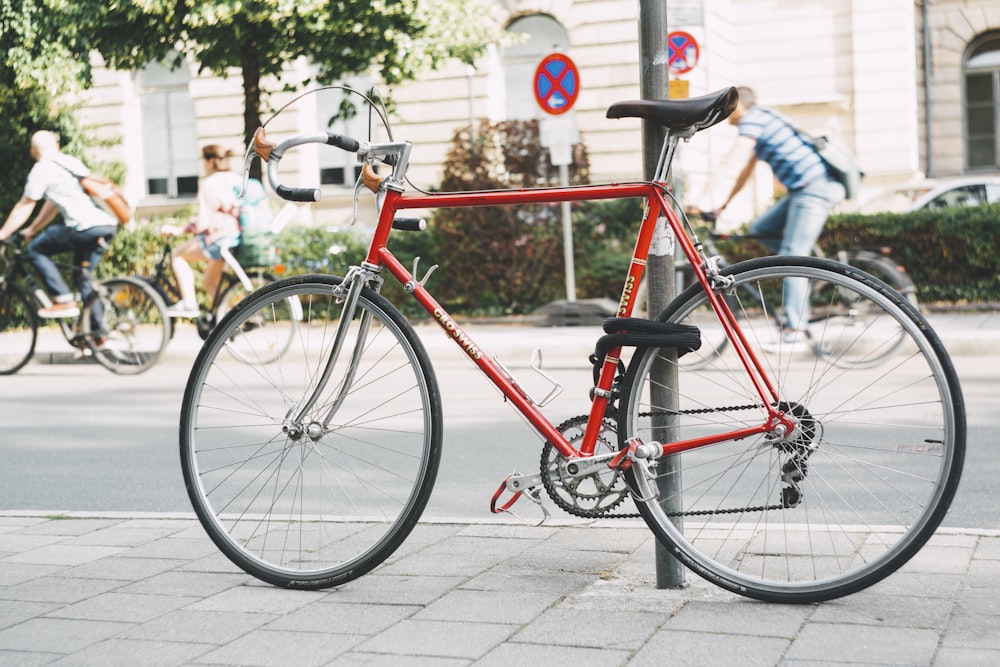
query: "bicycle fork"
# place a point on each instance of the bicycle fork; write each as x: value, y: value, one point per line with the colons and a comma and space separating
x: 349, y: 291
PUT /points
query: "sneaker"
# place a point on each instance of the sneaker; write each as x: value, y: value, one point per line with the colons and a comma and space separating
x: 60, y: 310
x: 790, y: 342
x: 181, y: 309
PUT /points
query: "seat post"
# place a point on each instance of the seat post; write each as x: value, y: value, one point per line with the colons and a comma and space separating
x: 670, y: 142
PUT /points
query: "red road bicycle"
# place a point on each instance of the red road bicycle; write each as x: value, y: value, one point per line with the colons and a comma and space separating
x: 776, y: 475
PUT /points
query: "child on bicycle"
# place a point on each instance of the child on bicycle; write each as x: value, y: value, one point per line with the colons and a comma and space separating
x: 217, y: 226
x: 86, y: 231
x: 793, y: 225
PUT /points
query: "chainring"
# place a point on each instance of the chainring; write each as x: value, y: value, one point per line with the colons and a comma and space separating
x: 592, y: 496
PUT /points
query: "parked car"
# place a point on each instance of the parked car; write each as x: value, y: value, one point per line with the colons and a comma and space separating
x: 934, y: 194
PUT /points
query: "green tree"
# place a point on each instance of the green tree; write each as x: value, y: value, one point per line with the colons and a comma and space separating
x: 259, y: 38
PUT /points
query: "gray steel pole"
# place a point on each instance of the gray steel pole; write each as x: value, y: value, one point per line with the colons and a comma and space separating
x: 660, y: 276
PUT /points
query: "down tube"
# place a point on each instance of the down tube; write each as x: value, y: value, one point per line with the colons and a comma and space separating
x: 477, y: 355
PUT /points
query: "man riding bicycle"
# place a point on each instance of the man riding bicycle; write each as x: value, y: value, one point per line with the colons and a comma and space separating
x: 86, y: 231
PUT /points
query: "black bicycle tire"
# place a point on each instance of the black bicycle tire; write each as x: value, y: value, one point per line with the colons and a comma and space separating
x: 194, y: 397
x: 109, y: 359
x: 9, y: 290
x: 887, y: 271
x: 917, y: 534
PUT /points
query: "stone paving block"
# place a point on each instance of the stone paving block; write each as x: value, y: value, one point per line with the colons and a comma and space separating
x: 517, y: 577
x: 508, y: 532
x: 359, y: 659
x: 211, y: 628
x: 128, y: 653
x: 459, y: 556
x: 68, y: 527
x: 742, y: 617
x: 9, y: 523
x: 447, y: 639
x: 13, y: 612
x: 260, y: 599
x: 920, y: 583
x: 600, y: 539
x: 25, y: 659
x: 175, y: 582
x: 123, y: 536
x: 57, y: 635
x: 281, y: 649
x: 966, y: 657
x: 971, y: 630
x: 988, y: 548
x: 174, y: 547
x: 488, y: 606
x: 873, y: 608
x: 125, y: 607
x: 624, y: 594
x: 583, y: 627
x: 979, y: 602
x: 697, y: 649
x: 865, y: 644
x: 216, y: 562
x: 123, y: 569
x: 16, y: 573
x: 394, y: 589
x: 65, y: 590
x: 554, y: 656
x: 985, y: 573
x: 344, y: 617
x: 17, y: 545
x: 940, y: 560
x: 63, y: 554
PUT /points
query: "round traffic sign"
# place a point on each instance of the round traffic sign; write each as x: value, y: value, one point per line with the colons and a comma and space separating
x: 557, y: 83
x: 682, y: 52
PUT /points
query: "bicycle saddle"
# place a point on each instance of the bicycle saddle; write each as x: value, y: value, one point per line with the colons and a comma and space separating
x: 695, y: 113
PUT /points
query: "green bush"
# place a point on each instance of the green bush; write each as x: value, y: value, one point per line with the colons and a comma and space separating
x: 951, y: 254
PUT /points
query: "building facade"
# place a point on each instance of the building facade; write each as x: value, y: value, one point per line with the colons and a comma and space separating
x: 912, y: 87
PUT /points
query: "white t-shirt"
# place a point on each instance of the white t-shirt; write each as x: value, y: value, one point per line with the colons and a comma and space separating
x: 51, y: 179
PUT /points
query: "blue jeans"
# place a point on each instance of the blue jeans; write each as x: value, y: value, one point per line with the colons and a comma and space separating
x: 792, y: 227
x: 87, y: 246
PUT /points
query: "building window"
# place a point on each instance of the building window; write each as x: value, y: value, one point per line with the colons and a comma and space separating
x: 337, y: 167
x: 982, y: 103
x: 543, y: 35
x: 169, y: 139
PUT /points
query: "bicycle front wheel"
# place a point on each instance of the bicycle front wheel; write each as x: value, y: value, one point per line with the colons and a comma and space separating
x: 311, y: 493
x: 126, y: 325
x: 845, y: 498
x: 18, y: 328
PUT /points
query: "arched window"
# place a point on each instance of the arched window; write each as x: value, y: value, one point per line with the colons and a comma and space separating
x: 542, y: 35
x: 169, y: 138
x: 982, y: 103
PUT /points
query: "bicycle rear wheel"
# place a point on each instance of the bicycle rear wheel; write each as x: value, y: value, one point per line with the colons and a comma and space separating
x: 847, y: 497
x: 130, y: 329
x: 317, y: 499
x: 18, y: 328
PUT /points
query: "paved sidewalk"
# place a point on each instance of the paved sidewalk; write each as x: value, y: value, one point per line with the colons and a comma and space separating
x: 85, y: 589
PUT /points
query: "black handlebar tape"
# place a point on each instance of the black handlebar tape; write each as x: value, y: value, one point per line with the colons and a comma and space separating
x: 409, y: 224
x: 340, y: 141
x: 298, y: 194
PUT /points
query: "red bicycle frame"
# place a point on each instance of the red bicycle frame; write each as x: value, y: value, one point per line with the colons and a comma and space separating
x: 379, y: 255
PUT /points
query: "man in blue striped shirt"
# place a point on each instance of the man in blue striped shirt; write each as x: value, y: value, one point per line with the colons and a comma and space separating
x: 793, y: 225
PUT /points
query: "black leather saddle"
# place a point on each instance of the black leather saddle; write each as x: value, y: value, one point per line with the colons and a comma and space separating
x: 695, y: 113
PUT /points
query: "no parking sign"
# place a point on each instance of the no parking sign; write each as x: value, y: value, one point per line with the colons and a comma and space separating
x: 557, y: 84
x: 682, y: 53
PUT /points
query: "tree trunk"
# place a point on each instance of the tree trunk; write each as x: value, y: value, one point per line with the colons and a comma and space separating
x: 250, y: 66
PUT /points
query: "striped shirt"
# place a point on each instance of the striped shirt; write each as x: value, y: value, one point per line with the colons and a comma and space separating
x: 793, y: 160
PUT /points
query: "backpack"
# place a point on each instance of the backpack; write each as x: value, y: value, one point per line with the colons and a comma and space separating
x: 256, y: 227
x: 105, y: 193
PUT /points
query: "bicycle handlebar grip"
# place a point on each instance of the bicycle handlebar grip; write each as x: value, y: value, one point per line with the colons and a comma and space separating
x: 298, y: 194
x: 346, y: 143
x: 409, y: 224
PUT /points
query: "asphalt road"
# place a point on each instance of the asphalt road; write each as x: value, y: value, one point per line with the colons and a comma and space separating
x: 76, y: 437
